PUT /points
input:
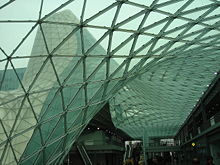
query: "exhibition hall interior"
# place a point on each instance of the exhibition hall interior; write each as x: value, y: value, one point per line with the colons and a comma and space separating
x: 110, y: 82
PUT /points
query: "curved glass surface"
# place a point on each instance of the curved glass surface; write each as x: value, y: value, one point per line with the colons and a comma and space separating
x: 61, y: 61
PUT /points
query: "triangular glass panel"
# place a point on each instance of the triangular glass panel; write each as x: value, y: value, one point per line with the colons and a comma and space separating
x: 92, y: 9
x: 14, y: 33
x: 72, y: 10
x: 39, y: 159
x: 212, y: 34
x: 49, y: 7
x: 133, y: 24
x: 34, y: 64
x: 111, y: 85
x: 72, y: 136
x: 177, y: 23
x: 62, y: 66
x: 143, y: 50
x: 2, y: 147
x: 116, y: 71
x: 112, y: 64
x: 212, y: 21
x: 34, y: 145
x: 41, y: 101
x: 9, y: 80
x: 73, y: 74
x: 106, y: 45
x: 53, y: 150
x: 18, y: 67
x: 195, y: 29
x: 26, y: 50
x: 9, y: 156
x: 124, y: 50
x: 17, y: 14
x: 192, y: 47
x: 55, y: 107
x: 153, y: 18
x: 175, y: 46
x: 68, y: 48
x: 26, y: 120
x: 77, y: 123
x: 72, y: 115
x: 156, y: 29
x: 148, y: 61
x: 10, y: 110
x: 3, y: 137
x: 171, y: 7
x: 47, y: 128
x: 141, y: 2
x: 192, y: 36
x: 195, y: 15
x: 5, y: 78
x: 69, y: 93
x: 99, y: 73
x: 92, y: 89
x: 56, y: 160
x: 141, y: 41
x: 100, y: 94
x: 215, y: 12
x: 159, y: 44
x: 3, y: 58
x: 127, y: 11
x: 134, y: 63
x: 94, y: 65
x: 120, y: 40
x: 59, y: 39
x: 58, y: 131
x: 77, y: 99
x: 40, y: 76
x: 196, y: 4
x: 19, y: 144
x: 92, y: 39
x: 104, y: 19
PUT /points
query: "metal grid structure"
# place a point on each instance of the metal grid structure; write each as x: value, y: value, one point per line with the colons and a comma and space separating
x: 152, y: 60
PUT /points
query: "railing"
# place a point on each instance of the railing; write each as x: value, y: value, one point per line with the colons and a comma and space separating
x: 163, y: 149
x: 199, y: 130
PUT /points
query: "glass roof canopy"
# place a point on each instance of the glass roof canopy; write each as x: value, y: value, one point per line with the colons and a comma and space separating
x: 61, y: 61
x: 159, y: 101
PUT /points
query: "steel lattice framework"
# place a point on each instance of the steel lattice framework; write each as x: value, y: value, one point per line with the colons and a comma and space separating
x: 61, y: 62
